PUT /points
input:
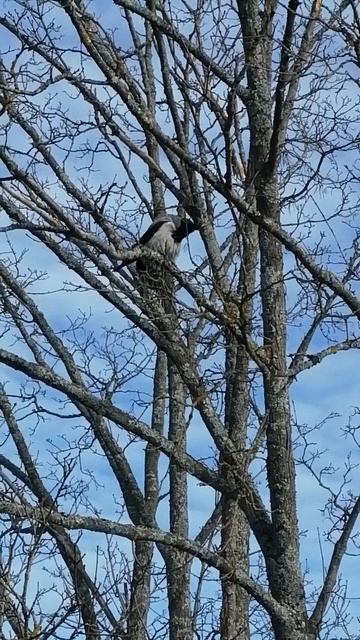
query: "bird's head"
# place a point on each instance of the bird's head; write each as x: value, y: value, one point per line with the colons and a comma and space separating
x: 183, y: 226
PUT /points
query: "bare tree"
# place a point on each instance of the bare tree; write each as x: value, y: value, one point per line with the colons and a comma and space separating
x: 152, y: 437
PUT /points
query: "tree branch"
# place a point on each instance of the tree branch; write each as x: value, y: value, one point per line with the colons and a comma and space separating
x: 109, y: 527
x: 338, y: 553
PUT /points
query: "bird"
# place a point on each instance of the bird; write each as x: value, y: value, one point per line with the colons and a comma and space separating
x: 164, y: 235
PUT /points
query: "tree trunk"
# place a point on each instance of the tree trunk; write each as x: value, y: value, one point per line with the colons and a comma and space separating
x: 177, y: 562
x: 141, y: 577
x: 235, y: 529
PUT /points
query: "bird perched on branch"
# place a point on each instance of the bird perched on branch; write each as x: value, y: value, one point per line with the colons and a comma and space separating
x: 164, y: 235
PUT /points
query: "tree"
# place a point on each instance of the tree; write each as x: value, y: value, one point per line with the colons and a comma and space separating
x: 126, y: 406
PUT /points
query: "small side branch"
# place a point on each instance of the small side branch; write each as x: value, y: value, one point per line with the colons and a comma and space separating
x: 338, y: 553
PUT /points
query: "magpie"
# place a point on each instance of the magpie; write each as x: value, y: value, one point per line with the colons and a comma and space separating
x: 164, y: 235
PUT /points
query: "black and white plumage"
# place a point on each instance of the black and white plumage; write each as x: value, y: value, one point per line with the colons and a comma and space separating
x: 164, y: 235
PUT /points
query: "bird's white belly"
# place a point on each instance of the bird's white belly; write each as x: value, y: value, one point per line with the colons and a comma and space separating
x: 163, y: 242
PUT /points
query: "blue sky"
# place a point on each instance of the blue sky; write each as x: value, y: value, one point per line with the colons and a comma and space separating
x: 331, y: 388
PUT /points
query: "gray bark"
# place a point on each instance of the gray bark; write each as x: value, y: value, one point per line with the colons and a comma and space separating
x: 218, y: 131
x: 178, y: 563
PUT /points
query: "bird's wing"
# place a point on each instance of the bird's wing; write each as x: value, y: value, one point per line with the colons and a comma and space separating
x: 154, y: 227
x: 149, y: 233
